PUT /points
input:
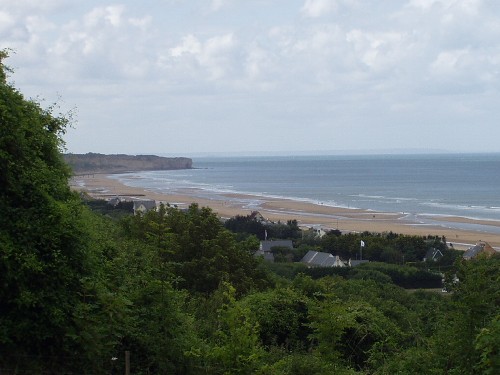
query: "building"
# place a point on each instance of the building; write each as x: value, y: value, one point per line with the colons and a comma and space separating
x: 433, y: 254
x: 257, y: 216
x: 480, y: 248
x: 114, y: 201
x: 266, y: 246
x: 319, y: 259
x: 143, y: 206
x: 317, y: 231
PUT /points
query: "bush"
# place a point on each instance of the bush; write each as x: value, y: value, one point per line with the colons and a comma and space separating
x: 405, y: 276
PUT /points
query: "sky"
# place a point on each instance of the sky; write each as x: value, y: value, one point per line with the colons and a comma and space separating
x: 262, y: 76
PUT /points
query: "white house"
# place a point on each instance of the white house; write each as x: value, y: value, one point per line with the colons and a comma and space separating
x: 143, y: 206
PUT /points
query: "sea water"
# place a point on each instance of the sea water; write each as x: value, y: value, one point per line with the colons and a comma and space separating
x: 465, y: 185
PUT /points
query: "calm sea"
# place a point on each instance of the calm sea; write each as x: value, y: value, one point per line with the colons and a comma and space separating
x: 457, y: 185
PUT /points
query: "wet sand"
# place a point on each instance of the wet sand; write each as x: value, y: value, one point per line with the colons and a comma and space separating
x: 307, y: 214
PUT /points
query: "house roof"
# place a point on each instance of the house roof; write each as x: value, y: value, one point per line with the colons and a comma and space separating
x: 266, y: 255
x: 480, y: 247
x: 433, y: 254
x: 147, y: 204
x: 319, y: 259
x: 257, y: 216
x: 331, y: 261
x: 267, y: 245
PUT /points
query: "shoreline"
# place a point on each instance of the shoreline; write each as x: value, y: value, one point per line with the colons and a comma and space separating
x: 307, y: 214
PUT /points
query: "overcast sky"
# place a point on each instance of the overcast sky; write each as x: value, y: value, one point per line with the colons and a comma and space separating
x: 190, y: 76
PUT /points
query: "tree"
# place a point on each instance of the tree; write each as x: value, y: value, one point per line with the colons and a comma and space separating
x: 42, y: 248
x: 246, y: 224
x: 463, y: 341
x: 353, y: 333
x: 202, y: 253
x: 282, y: 316
x: 237, y: 349
x: 487, y: 343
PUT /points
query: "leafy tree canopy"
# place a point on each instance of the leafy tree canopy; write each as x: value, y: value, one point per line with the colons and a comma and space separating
x: 42, y: 252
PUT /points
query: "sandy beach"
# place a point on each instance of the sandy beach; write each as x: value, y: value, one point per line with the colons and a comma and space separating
x: 307, y: 214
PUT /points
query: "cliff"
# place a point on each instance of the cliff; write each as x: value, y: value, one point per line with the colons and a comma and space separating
x: 100, y: 163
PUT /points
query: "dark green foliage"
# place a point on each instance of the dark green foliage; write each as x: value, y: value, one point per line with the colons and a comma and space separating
x: 404, y: 276
x: 246, y: 224
x: 475, y: 302
x: 290, y: 230
x: 290, y: 270
x: 283, y: 254
x: 383, y: 247
x: 121, y: 210
x: 281, y: 315
x: 250, y: 225
x: 73, y: 291
x: 464, y: 328
x: 371, y: 274
x: 353, y: 333
x: 201, y: 252
x: 236, y: 348
x: 319, y: 272
x: 487, y: 345
x: 284, y: 270
x: 42, y: 247
x: 301, y: 363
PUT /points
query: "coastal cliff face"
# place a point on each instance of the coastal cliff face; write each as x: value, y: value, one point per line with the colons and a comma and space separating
x: 100, y: 163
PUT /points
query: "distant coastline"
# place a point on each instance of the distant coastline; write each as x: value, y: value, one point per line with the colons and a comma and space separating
x: 91, y: 163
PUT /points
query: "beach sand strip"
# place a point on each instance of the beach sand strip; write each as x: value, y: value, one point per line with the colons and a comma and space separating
x: 306, y: 213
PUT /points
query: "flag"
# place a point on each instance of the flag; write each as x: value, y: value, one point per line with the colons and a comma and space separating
x: 362, y: 243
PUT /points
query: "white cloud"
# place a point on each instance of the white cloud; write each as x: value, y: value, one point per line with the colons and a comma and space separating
x: 255, y: 61
x: 218, y: 4
x: 449, y: 62
x: 216, y: 55
x: 318, y: 8
x: 261, y: 68
x: 30, y: 6
x: 141, y: 23
x: 379, y: 50
x: 111, y: 15
x: 213, y: 55
x: 190, y: 45
x: 6, y: 22
x: 466, y: 6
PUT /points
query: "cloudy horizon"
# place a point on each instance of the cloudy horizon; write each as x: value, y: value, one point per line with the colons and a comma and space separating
x: 232, y: 76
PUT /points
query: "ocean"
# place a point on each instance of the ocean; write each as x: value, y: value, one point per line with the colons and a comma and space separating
x: 466, y: 185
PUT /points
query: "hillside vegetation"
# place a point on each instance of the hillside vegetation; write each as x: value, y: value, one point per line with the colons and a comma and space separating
x: 100, y: 163
x: 184, y: 295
